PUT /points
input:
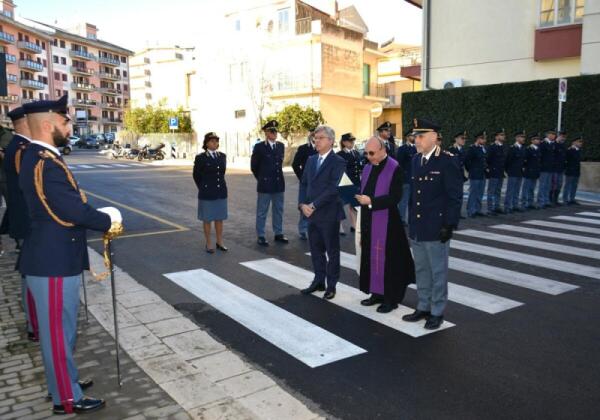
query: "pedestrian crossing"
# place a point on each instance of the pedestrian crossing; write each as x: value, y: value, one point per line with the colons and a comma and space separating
x: 314, y: 346
x: 106, y: 166
x: 577, y: 219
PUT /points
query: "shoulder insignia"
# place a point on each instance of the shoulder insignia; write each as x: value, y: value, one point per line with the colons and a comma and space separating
x: 448, y: 153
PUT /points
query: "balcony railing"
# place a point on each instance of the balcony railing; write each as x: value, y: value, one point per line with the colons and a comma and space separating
x: 109, y: 76
x: 112, y: 121
x: 31, y: 65
x: 373, y: 89
x: 32, y: 84
x: 10, y: 58
x: 109, y: 61
x: 111, y: 105
x: 82, y: 70
x: 10, y: 99
x: 11, y: 78
x: 82, y: 54
x: 111, y: 91
x: 29, y: 46
x: 6, y: 37
x: 27, y: 100
x: 303, y: 26
x: 84, y: 102
x: 83, y: 86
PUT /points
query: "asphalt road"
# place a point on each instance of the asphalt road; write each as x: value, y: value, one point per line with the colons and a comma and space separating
x: 522, y: 352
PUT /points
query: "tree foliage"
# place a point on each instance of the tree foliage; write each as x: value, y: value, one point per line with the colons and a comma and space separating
x: 155, y: 119
x: 295, y: 120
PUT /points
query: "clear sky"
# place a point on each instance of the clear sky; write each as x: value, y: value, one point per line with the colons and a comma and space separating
x: 135, y: 24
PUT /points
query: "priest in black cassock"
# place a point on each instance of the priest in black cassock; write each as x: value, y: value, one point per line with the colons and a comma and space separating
x: 386, y: 264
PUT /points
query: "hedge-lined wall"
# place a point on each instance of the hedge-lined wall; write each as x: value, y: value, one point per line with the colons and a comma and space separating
x: 532, y: 106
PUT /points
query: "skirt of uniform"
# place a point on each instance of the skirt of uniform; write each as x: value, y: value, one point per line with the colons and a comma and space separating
x: 347, y: 194
x: 212, y: 210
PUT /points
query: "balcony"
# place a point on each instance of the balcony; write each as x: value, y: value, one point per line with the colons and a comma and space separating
x: 7, y: 38
x: 558, y: 42
x: 109, y: 76
x: 374, y: 90
x: 10, y: 58
x: 33, y: 84
x: 28, y: 100
x: 29, y: 46
x: 11, y: 78
x: 83, y: 86
x: 112, y: 121
x: 111, y: 105
x: 111, y: 91
x: 394, y: 101
x: 303, y: 26
x: 82, y: 54
x: 82, y: 70
x: 30, y: 65
x: 109, y: 61
x: 10, y: 99
x: 84, y: 102
x: 92, y: 118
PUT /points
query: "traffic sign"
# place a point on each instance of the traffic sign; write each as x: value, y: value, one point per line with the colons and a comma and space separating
x: 376, y: 110
x: 173, y: 123
x: 562, y: 90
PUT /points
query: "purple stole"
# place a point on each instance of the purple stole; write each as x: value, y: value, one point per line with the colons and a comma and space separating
x: 379, y: 224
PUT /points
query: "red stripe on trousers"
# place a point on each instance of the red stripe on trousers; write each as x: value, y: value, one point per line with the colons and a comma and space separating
x: 32, y: 314
x: 63, y: 381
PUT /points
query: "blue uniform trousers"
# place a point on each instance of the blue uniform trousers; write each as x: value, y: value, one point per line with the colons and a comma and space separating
x: 57, y: 304
x: 262, y: 209
x: 556, y: 185
x: 431, y: 270
x: 29, y: 308
x: 528, y: 192
x: 324, y: 242
x: 543, y: 197
x: 476, y: 190
x: 570, y: 189
x: 513, y: 187
x: 403, y: 204
x: 494, y: 190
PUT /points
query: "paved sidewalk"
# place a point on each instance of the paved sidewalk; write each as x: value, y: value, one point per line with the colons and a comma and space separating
x: 170, y: 367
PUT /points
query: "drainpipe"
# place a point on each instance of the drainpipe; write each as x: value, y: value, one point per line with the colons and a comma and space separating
x: 427, y: 42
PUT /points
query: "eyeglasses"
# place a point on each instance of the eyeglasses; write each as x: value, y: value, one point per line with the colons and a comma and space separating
x: 370, y: 153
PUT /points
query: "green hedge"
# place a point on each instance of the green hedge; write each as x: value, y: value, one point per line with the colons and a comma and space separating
x: 532, y: 106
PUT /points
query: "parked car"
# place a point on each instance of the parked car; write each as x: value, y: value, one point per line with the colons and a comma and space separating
x: 67, y: 149
x: 74, y: 140
x: 91, y: 142
x: 110, y: 137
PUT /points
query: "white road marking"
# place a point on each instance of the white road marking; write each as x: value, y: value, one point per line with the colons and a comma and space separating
x: 577, y: 219
x: 564, y: 226
x: 549, y: 234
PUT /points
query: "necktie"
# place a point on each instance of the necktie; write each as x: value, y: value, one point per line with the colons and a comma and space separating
x: 423, y: 161
x: 319, y: 162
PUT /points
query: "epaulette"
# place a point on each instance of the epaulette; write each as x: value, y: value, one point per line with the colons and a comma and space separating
x: 38, y: 178
x: 19, y: 156
x: 448, y: 153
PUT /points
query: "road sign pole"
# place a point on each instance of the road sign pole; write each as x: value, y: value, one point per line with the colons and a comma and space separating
x: 558, y: 125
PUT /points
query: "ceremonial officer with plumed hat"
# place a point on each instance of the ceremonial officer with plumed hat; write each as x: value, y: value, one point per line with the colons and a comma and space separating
x: 16, y: 208
x: 435, y: 204
x: 515, y: 159
x: 531, y: 172
x: 266, y: 164
x: 384, y: 132
x: 55, y: 253
x: 496, y: 160
x: 476, y: 165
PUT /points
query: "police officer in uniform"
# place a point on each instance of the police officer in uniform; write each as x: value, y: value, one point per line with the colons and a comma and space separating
x: 531, y: 172
x: 434, y: 213
x: 354, y: 167
x: 572, y: 171
x: 266, y: 164
x: 458, y: 150
x: 496, y: 160
x: 54, y: 254
x: 476, y: 165
x: 558, y: 174
x: 16, y: 208
x: 384, y: 132
x: 299, y: 163
x: 547, y: 168
x: 515, y: 160
x: 404, y: 156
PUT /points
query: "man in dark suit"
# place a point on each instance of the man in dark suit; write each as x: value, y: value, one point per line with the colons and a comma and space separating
x: 319, y: 200
x: 54, y: 254
x: 572, y: 171
x: 266, y: 164
x: 299, y: 163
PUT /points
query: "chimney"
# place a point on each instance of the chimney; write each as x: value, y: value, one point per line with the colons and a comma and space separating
x: 91, y: 31
x: 8, y: 8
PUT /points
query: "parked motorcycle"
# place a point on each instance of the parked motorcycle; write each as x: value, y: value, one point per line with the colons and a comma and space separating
x: 117, y: 151
x: 152, y: 154
x: 132, y: 154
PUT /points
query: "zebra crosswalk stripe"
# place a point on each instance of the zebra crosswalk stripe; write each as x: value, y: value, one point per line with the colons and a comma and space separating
x: 564, y: 226
x: 549, y: 234
x: 589, y: 213
x: 309, y: 343
x: 577, y: 219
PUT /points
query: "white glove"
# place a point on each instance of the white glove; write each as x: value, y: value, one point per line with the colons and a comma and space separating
x: 114, y: 213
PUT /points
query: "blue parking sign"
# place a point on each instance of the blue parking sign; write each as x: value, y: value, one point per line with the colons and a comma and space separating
x: 173, y: 123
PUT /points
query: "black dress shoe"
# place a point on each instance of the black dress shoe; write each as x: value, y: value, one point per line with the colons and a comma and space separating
x: 222, y: 248
x: 480, y: 214
x: 209, y: 250
x: 84, y: 405
x: 313, y: 288
x: 462, y: 217
x: 262, y: 241
x: 384, y: 308
x: 281, y: 238
x: 373, y: 300
x: 416, y: 316
x: 32, y: 337
x: 83, y: 384
x: 434, y: 322
x: 329, y: 295
x: 303, y: 236
x: 498, y: 211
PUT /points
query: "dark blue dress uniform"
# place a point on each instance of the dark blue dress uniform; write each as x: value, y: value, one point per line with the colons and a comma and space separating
x: 53, y: 257
x: 390, y: 144
x: 404, y: 157
x: 435, y: 204
x: 354, y: 167
x: 496, y: 160
x: 558, y: 172
x: 515, y: 160
x: 546, y: 170
x: 460, y: 154
x: 572, y: 173
x: 531, y: 173
x: 298, y: 165
x: 476, y: 165
x: 209, y: 176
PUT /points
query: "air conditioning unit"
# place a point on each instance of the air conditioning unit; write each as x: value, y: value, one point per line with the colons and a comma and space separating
x: 453, y: 83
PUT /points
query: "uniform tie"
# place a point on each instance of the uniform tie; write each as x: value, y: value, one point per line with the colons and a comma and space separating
x: 319, y: 162
x: 423, y: 161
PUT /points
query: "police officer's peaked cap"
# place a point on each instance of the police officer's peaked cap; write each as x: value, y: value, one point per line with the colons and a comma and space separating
x: 270, y: 126
x: 348, y: 137
x: 500, y: 131
x: 59, y: 106
x: 421, y: 125
x: 385, y: 126
x: 563, y: 132
x: 482, y: 134
x: 551, y: 131
x: 210, y: 135
x: 533, y: 136
x: 408, y: 133
x: 440, y: 137
x: 520, y: 133
x: 577, y: 137
x: 462, y: 133
x: 16, y: 114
